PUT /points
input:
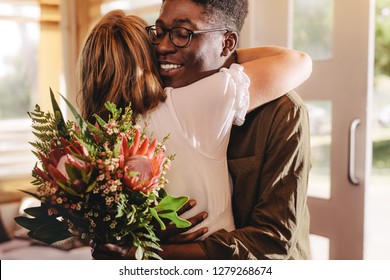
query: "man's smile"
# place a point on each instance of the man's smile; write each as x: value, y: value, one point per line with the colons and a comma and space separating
x: 169, y: 66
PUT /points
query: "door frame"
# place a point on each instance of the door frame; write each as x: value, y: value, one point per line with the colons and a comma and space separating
x: 347, y: 81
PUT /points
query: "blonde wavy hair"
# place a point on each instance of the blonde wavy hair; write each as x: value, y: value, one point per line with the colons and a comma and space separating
x: 118, y: 64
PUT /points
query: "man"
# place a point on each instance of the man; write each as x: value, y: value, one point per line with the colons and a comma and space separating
x: 268, y: 155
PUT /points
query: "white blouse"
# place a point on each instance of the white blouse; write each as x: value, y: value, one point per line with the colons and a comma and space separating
x: 199, y: 118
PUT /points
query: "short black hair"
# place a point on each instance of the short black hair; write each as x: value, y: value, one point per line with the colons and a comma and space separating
x: 226, y: 13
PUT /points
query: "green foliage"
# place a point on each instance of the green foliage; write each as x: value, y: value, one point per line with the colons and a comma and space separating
x: 167, y: 208
x: 381, y: 154
x: 382, y: 38
x: 43, y: 227
x: 45, y: 128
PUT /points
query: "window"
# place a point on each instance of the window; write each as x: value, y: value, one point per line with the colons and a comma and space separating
x: 313, y: 27
x: 146, y: 9
x: 20, y: 29
x: 18, y: 58
x: 31, y: 62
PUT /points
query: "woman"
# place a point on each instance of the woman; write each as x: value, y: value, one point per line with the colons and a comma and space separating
x: 117, y: 64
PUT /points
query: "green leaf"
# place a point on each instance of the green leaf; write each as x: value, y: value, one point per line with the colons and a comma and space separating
x: 51, y: 232
x: 171, y: 203
x: 98, y: 132
x: 162, y: 193
x: 152, y: 255
x: 44, y: 228
x: 91, y: 187
x: 57, y: 111
x: 131, y: 215
x: 151, y: 236
x: 139, y: 253
x: 117, y: 148
x: 30, y: 193
x: 153, y: 245
x: 84, y: 176
x: 167, y: 208
x: 36, y: 211
x: 100, y: 121
x: 72, y: 171
x: 80, y: 120
x: 88, y: 145
x: 154, y: 213
x: 172, y: 215
x: 29, y: 223
x: 152, y: 196
x: 67, y: 189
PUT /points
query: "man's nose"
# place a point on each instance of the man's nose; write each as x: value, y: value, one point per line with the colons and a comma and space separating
x: 166, y: 45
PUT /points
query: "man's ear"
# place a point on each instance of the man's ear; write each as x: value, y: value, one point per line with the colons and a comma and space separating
x: 230, y: 43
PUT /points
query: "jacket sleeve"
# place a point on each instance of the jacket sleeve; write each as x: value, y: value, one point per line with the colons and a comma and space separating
x: 270, y: 188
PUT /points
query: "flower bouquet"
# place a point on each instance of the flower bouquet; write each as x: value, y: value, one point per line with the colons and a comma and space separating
x: 103, y: 182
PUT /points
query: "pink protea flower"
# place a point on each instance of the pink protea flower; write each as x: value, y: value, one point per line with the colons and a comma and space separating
x: 142, y: 168
x: 77, y: 182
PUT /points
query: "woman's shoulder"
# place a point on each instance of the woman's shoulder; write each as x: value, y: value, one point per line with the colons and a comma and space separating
x: 237, y: 74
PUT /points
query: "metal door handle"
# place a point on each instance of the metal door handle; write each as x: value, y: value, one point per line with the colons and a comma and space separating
x: 352, y: 137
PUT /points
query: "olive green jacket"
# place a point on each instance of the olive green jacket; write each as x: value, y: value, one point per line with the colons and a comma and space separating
x: 269, y: 161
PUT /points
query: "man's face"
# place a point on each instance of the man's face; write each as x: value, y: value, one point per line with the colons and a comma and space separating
x: 202, y: 57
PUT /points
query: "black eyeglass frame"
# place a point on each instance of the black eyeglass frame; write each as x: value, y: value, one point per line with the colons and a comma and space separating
x: 190, y: 33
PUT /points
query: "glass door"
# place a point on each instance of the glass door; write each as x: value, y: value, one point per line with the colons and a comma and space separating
x: 377, y: 225
x: 339, y: 37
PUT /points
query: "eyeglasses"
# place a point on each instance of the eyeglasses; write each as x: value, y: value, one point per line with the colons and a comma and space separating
x: 179, y: 36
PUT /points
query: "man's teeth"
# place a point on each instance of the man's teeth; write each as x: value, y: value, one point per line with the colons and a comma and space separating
x: 170, y: 66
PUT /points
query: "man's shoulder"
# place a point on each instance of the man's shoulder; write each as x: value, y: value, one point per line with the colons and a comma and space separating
x: 291, y: 98
x: 294, y: 97
x: 290, y: 101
